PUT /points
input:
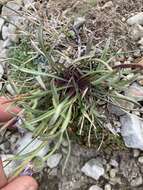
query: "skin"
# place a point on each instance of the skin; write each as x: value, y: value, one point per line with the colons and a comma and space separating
x: 7, y: 110
x: 20, y: 183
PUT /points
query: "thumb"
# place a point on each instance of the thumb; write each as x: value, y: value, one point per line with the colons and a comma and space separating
x: 3, y: 179
x: 22, y: 183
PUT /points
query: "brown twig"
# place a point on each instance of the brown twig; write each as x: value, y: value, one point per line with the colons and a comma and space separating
x: 125, y: 66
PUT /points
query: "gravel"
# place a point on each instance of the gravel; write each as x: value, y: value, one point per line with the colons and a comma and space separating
x: 136, y: 19
x: 132, y: 131
x: 93, y: 168
x: 95, y: 187
x: 54, y: 160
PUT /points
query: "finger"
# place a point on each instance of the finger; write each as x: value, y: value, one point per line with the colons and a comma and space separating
x: 3, y: 179
x: 7, y: 110
x: 22, y: 183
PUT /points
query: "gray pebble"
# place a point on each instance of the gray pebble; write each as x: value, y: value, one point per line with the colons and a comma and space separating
x: 107, y: 187
x: 140, y: 160
x: 136, y: 153
x: 137, y: 181
x: 114, y: 163
x: 113, y: 173
x: 95, y: 187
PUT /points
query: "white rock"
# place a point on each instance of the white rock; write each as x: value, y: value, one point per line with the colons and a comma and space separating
x: 136, y: 153
x: 79, y: 21
x: 95, y: 187
x: 9, y: 167
x: 137, y: 181
x: 5, y: 32
x: 7, y: 43
x: 114, y: 163
x: 93, y: 169
x: 140, y: 160
x: 135, y: 91
x: 11, y: 14
x: 115, y: 180
x: 136, y: 19
x: 136, y: 32
x: 107, y: 187
x: 109, y: 4
x: 1, y: 23
x: 54, y: 160
x: 1, y: 71
x: 132, y: 131
x: 28, y: 3
x: 113, y: 173
x: 27, y: 144
x: 6, y: 12
x: 140, y: 41
x: 108, y: 167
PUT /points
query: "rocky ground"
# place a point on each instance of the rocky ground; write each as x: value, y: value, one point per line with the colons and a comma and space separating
x: 112, y: 167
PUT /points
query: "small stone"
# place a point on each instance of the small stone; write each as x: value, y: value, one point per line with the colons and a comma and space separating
x: 79, y: 21
x: 137, y: 181
x: 140, y: 160
x: 95, y: 187
x: 131, y: 59
x: 136, y: 32
x: 140, y: 41
x: 136, y: 19
x: 114, y: 163
x: 27, y: 144
x: 107, y: 187
x: 7, y: 43
x: 136, y: 153
x: 54, y: 160
x: 113, y: 173
x: 132, y: 131
x: 3, y: 54
x: 1, y: 23
x: 93, y: 169
x: 1, y: 71
x: 107, y: 5
x: 28, y: 3
x: 137, y: 53
x: 5, y: 32
x: 135, y: 91
x: 6, y: 12
x: 14, y: 138
x: 108, y: 167
x: 115, y: 180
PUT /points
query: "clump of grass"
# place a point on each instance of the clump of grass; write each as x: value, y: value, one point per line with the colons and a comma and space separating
x: 68, y: 99
x: 73, y: 102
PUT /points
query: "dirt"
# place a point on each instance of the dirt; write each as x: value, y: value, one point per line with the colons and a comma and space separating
x: 103, y: 22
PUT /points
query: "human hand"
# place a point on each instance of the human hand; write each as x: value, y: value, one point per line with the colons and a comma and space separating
x: 20, y: 183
